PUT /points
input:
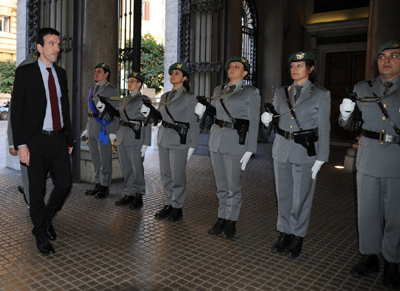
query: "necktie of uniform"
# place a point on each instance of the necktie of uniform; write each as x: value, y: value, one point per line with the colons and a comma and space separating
x: 298, y: 92
x: 96, y: 89
x: 55, y: 111
x: 231, y: 88
x: 387, y: 86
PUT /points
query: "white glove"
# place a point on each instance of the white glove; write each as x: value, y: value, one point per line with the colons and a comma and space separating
x: 190, y: 153
x: 100, y: 106
x: 346, y: 108
x: 143, y: 150
x: 199, y: 110
x: 112, y: 137
x: 266, y: 118
x: 84, y: 133
x: 316, y: 168
x: 145, y: 110
x: 245, y: 159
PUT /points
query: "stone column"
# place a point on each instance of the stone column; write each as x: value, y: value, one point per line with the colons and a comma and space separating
x: 171, y: 39
x: 233, y: 28
x: 382, y: 27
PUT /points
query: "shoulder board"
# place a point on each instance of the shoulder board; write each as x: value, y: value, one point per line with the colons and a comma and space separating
x: 370, y: 81
x: 108, y: 84
x: 320, y: 87
x: 251, y: 86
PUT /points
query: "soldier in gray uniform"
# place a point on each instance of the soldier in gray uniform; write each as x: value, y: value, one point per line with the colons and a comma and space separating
x: 300, y: 148
x: 177, y: 138
x: 133, y: 139
x: 237, y: 110
x: 101, y: 133
x: 378, y: 165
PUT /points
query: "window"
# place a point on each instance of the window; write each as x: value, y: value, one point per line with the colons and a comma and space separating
x: 145, y: 10
x: 5, y: 23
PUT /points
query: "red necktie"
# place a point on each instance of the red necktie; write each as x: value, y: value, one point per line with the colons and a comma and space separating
x: 55, y: 111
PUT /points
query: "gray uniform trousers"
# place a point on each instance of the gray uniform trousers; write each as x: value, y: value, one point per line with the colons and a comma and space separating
x: 228, y: 178
x: 378, y: 174
x: 296, y: 192
x: 101, y: 154
x: 173, y: 175
x: 132, y: 169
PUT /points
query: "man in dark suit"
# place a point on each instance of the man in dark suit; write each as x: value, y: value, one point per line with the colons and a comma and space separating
x: 42, y: 133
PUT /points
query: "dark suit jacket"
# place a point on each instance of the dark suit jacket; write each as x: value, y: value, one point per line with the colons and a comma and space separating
x: 29, y: 106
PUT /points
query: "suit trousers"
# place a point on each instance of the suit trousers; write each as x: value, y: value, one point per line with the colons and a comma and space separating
x: 295, y: 192
x: 102, y: 161
x: 228, y: 178
x: 379, y: 216
x: 173, y: 175
x: 51, y: 155
x: 132, y: 169
x: 25, y: 181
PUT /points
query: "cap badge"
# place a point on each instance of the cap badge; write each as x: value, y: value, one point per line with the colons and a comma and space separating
x: 134, y: 74
x: 300, y: 56
x: 179, y: 66
x: 244, y: 60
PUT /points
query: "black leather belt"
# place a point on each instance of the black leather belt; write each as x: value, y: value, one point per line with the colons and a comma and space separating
x: 286, y: 134
x: 381, y: 136
x: 223, y: 123
x: 53, y: 132
x: 126, y: 123
x: 93, y: 115
x: 167, y: 124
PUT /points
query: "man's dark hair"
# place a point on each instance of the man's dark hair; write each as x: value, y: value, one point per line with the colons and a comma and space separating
x: 43, y: 32
x: 109, y: 73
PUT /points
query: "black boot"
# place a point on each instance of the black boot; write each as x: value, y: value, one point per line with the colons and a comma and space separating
x: 163, y: 213
x: 294, y: 249
x: 367, y: 265
x: 218, y: 227
x: 283, y: 241
x: 137, y: 202
x: 230, y: 229
x: 124, y: 200
x: 176, y: 214
x: 102, y: 193
x: 391, y: 276
x: 94, y: 190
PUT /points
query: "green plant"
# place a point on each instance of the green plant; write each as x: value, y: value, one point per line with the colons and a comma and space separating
x: 152, y: 62
x: 7, y: 72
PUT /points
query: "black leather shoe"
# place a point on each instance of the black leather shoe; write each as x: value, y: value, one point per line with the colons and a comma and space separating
x: 283, y: 242
x: 125, y: 200
x: 102, y: 193
x: 50, y: 232
x: 44, y: 246
x: 368, y: 264
x: 163, y: 213
x: 391, y: 276
x: 94, y: 190
x: 176, y: 214
x: 218, y: 227
x: 294, y: 249
x: 230, y: 229
x: 137, y: 203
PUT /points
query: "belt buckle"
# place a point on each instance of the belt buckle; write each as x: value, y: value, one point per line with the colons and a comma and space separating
x: 385, y: 139
x: 222, y: 124
x: 288, y: 137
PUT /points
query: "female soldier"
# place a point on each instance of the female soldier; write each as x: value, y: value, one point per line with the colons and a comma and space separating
x: 300, y: 148
x: 233, y: 140
x: 177, y: 138
x: 133, y: 140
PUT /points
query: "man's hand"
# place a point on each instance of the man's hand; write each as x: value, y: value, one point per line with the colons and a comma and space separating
x: 245, y: 159
x: 315, y: 169
x: 13, y: 151
x: 199, y: 110
x: 143, y: 150
x: 145, y: 110
x: 346, y: 108
x: 70, y: 150
x: 266, y: 118
x: 24, y: 155
x: 100, y: 106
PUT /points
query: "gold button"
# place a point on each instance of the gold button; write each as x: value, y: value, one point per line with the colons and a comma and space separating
x: 223, y: 112
x: 290, y: 126
x: 384, y: 105
x: 291, y: 117
x: 383, y: 117
x: 383, y: 131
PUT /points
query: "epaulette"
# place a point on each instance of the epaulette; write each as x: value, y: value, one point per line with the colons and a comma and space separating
x: 108, y: 84
x: 320, y: 87
x: 370, y: 81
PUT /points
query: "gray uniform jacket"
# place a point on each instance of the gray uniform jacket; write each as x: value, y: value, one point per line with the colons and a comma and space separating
x: 375, y: 159
x: 313, y: 111
x: 125, y: 134
x: 93, y: 127
x: 244, y: 103
x: 181, y: 109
